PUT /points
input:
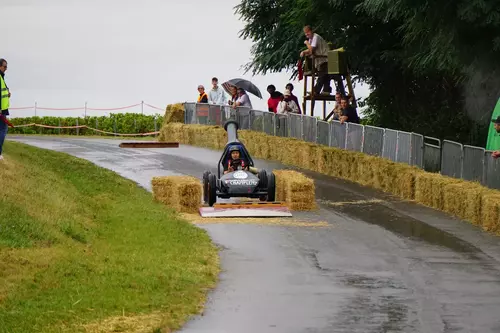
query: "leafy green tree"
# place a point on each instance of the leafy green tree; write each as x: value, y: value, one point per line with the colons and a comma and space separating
x: 430, y: 64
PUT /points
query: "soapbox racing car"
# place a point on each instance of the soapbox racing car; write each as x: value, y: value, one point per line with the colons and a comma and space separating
x: 250, y: 183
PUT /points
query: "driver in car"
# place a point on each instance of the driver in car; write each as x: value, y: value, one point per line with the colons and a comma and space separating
x: 235, y: 162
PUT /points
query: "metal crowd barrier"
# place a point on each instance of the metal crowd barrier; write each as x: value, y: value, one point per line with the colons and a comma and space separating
x: 431, y: 154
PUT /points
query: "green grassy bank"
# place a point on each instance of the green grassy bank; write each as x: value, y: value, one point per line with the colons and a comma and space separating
x: 84, y: 250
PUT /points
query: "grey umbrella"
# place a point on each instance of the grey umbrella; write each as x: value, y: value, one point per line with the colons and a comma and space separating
x: 244, y: 84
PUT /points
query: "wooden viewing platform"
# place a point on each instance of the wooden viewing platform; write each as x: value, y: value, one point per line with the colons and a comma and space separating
x: 337, y: 64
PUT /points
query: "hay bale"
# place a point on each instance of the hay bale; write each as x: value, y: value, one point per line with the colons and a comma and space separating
x: 430, y: 189
x: 280, y: 185
x: 173, y: 133
x: 490, y: 211
x: 277, y: 148
x: 464, y: 200
x: 297, y: 190
x: 285, y: 150
x: 257, y: 143
x: 367, y: 171
x: 318, y: 156
x: 196, y: 135
x: 264, y: 143
x: 342, y: 163
x: 182, y: 193
x: 404, y: 180
x: 174, y: 113
x: 332, y: 166
x: 249, y: 140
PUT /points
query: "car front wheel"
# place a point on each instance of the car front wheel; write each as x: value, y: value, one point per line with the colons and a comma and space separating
x: 212, y: 190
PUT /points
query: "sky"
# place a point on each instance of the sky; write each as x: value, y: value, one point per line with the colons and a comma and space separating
x: 114, y: 53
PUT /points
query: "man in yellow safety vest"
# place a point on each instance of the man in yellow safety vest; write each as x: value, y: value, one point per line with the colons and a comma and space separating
x: 4, y: 104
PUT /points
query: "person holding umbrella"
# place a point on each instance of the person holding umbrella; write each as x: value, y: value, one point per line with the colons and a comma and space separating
x: 243, y: 86
x: 243, y: 99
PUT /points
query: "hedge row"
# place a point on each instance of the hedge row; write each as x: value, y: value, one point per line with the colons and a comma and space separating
x: 466, y: 200
x: 124, y: 123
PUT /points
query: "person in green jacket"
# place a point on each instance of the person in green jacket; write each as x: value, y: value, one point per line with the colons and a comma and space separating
x: 496, y: 123
x: 4, y: 104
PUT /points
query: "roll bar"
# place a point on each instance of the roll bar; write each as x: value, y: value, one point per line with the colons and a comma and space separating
x: 231, y: 127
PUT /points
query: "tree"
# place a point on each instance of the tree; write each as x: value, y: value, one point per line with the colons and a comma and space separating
x: 416, y: 55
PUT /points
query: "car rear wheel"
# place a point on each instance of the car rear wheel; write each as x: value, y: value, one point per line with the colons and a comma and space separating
x: 271, y: 187
x: 205, y: 186
x: 212, y: 189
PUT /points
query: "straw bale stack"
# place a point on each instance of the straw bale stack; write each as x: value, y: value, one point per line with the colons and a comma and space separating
x: 175, y: 132
x: 318, y: 157
x: 464, y: 200
x: 174, y: 113
x: 297, y: 190
x: 430, y: 189
x: 262, y: 140
x: 332, y: 165
x: 257, y: 143
x: 404, y: 180
x: 182, y: 193
x: 278, y: 149
x: 341, y: 163
x: 490, y: 212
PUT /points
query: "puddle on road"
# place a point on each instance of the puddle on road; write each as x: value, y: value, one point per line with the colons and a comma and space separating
x: 378, y: 214
x: 373, y: 211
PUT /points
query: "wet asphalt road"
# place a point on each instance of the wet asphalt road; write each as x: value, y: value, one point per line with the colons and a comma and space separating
x: 382, y: 266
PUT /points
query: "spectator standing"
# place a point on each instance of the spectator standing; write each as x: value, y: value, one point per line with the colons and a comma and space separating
x: 287, y: 104
x: 274, y: 98
x: 349, y: 114
x: 290, y: 87
x: 243, y: 99
x: 337, y: 110
x: 202, y: 98
x: 216, y: 95
x: 4, y: 104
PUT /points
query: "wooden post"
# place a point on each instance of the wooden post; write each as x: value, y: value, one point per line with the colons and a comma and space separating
x: 304, y: 102
x: 351, y: 89
x: 312, y: 85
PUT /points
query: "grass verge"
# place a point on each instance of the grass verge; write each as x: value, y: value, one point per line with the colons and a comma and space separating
x: 84, y: 250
